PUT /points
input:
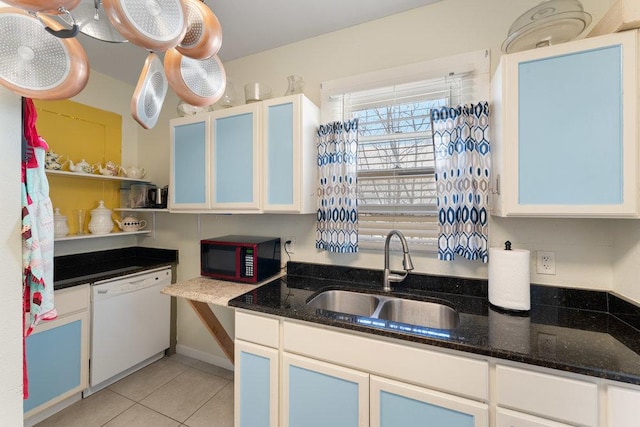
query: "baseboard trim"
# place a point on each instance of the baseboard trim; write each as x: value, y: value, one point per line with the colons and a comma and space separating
x: 51, y: 410
x: 213, y: 359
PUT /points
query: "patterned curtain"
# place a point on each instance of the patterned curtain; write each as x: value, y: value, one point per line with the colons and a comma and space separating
x: 337, y: 229
x: 463, y: 165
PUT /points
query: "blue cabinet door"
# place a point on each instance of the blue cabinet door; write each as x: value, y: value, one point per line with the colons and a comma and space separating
x: 398, y: 404
x: 279, y: 152
x: 397, y: 410
x: 570, y: 135
x: 319, y: 394
x: 189, y: 163
x: 235, y: 158
x: 256, y: 385
x: 53, y: 363
x: 289, y: 155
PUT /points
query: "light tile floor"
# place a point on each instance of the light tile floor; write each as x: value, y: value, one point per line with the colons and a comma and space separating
x: 172, y: 392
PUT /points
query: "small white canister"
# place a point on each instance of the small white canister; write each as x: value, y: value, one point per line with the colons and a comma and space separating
x: 60, y: 225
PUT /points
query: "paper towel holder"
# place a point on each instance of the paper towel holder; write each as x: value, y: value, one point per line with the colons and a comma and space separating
x: 509, y: 286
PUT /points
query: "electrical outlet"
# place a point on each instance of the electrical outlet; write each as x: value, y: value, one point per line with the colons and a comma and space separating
x: 291, y: 246
x: 546, y: 262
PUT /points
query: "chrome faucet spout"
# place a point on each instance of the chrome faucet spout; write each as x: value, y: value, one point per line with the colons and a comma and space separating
x: 407, y: 264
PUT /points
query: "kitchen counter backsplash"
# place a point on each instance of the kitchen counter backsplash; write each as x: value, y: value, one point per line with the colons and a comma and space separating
x: 587, y: 332
x: 71, y: 270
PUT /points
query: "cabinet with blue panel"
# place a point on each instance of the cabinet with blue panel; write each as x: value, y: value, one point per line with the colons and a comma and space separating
x: 189, y: 163
x: 235, y: 159
x: 395, y: 403
x: 58, y: 357
x: 564, y: 130
x: 318, y: 394
x: 256, y: 393
x: 290, y: 153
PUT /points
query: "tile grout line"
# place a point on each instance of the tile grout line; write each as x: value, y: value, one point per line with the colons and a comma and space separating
x: 125, y: 410
x: 208, y: 400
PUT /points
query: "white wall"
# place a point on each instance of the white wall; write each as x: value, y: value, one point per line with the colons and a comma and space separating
x: 584, y: 248
x: 626, y: 259
x: 11, y: 265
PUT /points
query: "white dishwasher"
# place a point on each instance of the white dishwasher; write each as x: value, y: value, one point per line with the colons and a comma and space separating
x: 130, y: 323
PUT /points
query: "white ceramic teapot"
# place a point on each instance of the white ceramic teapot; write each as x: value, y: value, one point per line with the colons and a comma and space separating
x: 131, y: 223
x: 82, y: 167
x: 101, y: 222
x: 109, y: 168
x: 53, y: 161
x: 133, y: 172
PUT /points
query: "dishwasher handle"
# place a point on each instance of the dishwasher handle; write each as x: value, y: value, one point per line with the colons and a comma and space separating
x: 128, y: 287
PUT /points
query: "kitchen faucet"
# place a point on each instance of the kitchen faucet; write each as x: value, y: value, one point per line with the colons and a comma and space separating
x: 406, y: 261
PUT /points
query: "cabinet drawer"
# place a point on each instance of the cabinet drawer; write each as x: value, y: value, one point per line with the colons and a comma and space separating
x: 258, y: 329
x: 564, y: 399
x: 72, y: 300
x: 445, y: 372
x: 507, y: 418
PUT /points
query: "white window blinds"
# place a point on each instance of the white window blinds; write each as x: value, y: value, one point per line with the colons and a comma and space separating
x: 396, y: 182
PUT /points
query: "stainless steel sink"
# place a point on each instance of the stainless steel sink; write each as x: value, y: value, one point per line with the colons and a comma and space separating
x: 423, y: 313
x: 395, y: 309
x: 345, y: 302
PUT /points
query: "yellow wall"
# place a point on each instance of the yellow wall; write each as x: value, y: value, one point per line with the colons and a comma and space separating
x: 79, y: 132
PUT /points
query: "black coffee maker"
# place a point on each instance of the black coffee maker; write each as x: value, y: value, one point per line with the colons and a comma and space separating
x: 157, y: 197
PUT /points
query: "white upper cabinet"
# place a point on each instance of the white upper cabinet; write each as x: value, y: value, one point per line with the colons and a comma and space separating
x: 564, y: 130
x: 253, y: 158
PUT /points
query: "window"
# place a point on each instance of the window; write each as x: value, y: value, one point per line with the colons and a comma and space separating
x: 396, y: 183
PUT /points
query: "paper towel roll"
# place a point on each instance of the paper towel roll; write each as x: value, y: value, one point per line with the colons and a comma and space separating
x: 509, y: 283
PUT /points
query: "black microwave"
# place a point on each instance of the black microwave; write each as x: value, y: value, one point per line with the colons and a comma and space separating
x: 247, y: 259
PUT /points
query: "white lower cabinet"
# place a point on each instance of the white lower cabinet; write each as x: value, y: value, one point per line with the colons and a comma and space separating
x: 318, y: 394
x: 256, y: 390
x: 507, y: 418
x: 623, y: 407
x: 296, y: 374
x: 58, y: 355
x: 257, y: 371
x: 331, y: 378
x: 395, y: 403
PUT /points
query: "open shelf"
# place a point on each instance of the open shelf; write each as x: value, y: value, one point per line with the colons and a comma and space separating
x: 96, y: 236
x: 94, y: 176
x: 140, y: 210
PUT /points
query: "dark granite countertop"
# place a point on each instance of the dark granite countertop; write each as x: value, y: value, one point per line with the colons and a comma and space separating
x: 586, y: 332
x: 77, y: 269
